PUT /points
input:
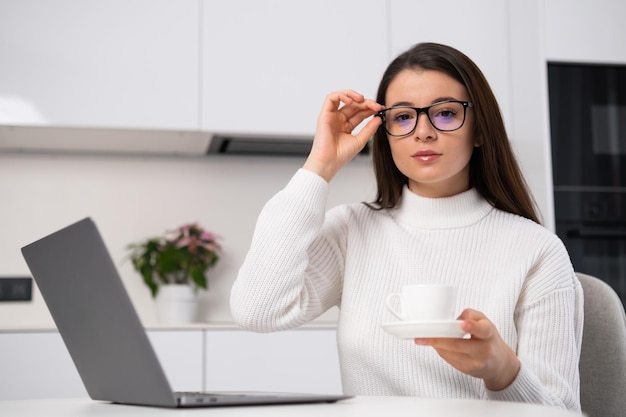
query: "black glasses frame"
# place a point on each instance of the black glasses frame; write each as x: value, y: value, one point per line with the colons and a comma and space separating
x: 419, y: 110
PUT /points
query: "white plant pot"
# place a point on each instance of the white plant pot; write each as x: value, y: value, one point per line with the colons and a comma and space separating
x: 176, y: 304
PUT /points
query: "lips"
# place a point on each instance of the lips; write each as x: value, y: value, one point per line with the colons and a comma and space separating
x: 426, y: 156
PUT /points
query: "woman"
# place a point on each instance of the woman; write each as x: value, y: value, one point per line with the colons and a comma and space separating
x: 452, y: 207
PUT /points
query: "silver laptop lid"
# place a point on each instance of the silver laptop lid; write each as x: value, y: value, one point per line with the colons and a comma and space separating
x: 95, y: 317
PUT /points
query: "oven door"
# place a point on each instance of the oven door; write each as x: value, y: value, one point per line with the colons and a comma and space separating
x: 599, y: 251
x: 588, y: 125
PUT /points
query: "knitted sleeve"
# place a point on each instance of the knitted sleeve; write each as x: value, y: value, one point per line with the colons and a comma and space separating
x: 292, y: 272
x: 549, y: 350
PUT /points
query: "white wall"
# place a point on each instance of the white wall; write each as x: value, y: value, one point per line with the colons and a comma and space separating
x: 131, y: 198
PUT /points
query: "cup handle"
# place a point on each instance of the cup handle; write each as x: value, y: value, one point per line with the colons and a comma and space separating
x: 389, y: 303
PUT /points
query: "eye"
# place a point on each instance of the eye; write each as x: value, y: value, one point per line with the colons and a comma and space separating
x: 401, y: 115
x: 445, y: 113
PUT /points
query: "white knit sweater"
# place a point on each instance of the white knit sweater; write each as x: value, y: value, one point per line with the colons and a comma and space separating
x: 304, y: 260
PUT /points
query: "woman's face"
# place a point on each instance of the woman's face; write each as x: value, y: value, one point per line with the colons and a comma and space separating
x: 436, y: 163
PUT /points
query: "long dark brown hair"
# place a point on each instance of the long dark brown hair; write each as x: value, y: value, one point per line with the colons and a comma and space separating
x: 494, y: 171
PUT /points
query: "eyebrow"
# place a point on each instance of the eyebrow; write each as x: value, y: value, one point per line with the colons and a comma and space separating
x: 437, y: 100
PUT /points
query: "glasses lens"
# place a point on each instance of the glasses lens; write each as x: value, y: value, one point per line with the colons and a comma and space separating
x: 400, y: 121
x: 447, y: 116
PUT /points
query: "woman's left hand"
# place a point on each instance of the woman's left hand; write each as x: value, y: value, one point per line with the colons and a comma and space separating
x: 485, y: 355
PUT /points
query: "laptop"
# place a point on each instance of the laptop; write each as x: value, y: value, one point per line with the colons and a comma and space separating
x: 102, y: 331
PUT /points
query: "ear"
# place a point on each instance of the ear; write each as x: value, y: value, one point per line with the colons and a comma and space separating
x: 478, y: 138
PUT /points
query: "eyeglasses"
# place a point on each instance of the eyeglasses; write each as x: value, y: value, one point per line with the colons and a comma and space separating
x: 445, y: 116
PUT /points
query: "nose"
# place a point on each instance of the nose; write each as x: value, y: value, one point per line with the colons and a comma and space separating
x: 424, y: 130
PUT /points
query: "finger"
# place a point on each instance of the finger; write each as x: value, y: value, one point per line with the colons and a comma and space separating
x: 444, y: 344
x: 479, y: 329
x: 357, y: 117
x: 477, y: 324
x: 351, y: 96
x: 333, y: 100
x: 471, y: 314
x: 372, y: 106
x: 331, y: 103
x: 356, y: 113
x: 368, y: 130
x: 369, y: 107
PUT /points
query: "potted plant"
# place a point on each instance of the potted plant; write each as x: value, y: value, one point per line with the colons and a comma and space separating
x: 175, y: 264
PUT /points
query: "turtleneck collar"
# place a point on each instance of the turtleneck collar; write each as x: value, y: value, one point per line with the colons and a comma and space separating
x: 460, y: 210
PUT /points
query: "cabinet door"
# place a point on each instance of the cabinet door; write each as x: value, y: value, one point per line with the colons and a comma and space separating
x: 37, y: 365
x: 267, y: 66
x: 100, y: 63
x: 477, y: 28
x: 585, y: 31
x: 290, y: 361
x: 180, y: 353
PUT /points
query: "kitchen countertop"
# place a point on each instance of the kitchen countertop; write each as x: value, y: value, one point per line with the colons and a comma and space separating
x: 167, y: 327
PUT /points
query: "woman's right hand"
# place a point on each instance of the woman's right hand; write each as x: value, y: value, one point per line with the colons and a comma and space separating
x: 334, y: 144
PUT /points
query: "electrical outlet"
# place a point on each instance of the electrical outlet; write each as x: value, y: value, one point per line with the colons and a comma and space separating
x: 16, y: 289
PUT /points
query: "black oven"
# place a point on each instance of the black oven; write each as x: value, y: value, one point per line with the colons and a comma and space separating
x: 588, y: 137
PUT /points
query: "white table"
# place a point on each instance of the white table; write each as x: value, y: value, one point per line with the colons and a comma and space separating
x: 355, y: 407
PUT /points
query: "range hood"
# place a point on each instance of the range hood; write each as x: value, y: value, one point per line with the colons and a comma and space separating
x: 56, y: 139
x: 260, y: 145
x: 86, y: 140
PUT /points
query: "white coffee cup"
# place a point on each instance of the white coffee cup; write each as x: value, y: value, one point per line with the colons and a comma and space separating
x: 423, y: 302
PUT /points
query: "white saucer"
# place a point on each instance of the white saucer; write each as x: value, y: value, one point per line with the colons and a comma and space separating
x: 425, y: 329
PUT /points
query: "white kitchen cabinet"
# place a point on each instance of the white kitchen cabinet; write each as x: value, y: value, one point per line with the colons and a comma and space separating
x: 585, y: 31
x: 181, y: 354
x: 37, y: 364
x: 477, y: 28
x: 267, y: 66
x: 288, y: 361
x: 119, y: 63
